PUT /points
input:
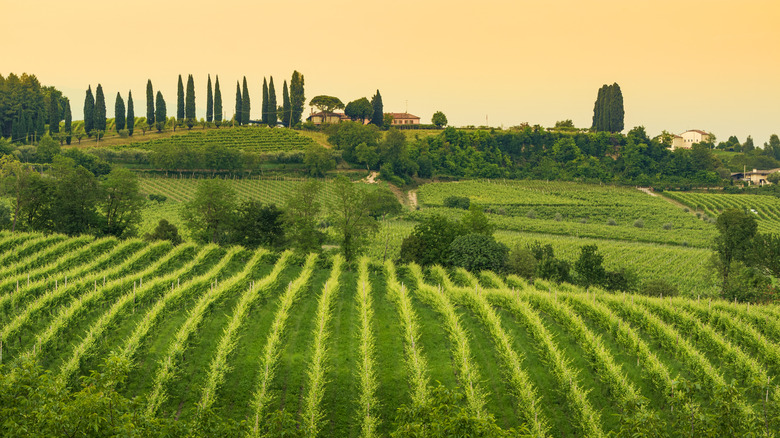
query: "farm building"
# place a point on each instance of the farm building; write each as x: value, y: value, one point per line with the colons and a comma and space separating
x: 757, y: 177
x: 323, y: 117
x: 688, y: 138
x: 404, y: 119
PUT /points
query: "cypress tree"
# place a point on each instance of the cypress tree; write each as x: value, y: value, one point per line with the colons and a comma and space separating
x: 149, y: 104
x: 54, y: 114
x: 100, y: 109
x: 190, y: 104
x: 18, y: 131
x: 180, y: 101
x: 217, y: 103
x: 597, y: 111
x: 89, y: 112
x: 130, y: 114
x: 245, y: 105
x: 265, y: 114
x: 285, y: 106
x: 40, y: 127
x: 68, y: 121
x: 272, y: 110
x: 209, y: 102
x: 119, y: 113
x: 616, y: 110
x: 297, y: 98
x: 239, y: 115
x: 378, y: 117
x: 160, y: 112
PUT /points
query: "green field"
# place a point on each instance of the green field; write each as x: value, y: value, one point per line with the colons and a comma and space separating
x: 248, y: 139
x: 340, y: 348
x: 766, y: 208
x: 575, y: 209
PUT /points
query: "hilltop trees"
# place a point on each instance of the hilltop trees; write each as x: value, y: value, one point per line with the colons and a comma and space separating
x: 238, y: 114
x: 189, y: 105
x: 326, y: 104
x: 264, y: 105
x: 439, y: 119
x: 119, y: 113
x: 68, y: 122
x: 100, y: 110
x: 359, y: 109
x: 286, y: 107
x: 130, y: 114
x: 54, y: 114
x: 217, y: 103
x: 297, y: 98
x: 272, y: 116
x: 608, y: 112
x: 180, y: 101
x: 149, y: 104
x: 160, y: 112
x: 378, y: 117
x: 245, y: 105
x: 89, y: 112
x: 209, y: 102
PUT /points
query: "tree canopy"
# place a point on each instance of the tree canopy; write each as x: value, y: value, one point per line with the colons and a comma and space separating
x: 326, y: 104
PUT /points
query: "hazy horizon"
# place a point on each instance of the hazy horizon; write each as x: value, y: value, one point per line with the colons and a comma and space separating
x: 681, y: 65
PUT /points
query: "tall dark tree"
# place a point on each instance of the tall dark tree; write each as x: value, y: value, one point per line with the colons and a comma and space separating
x: 378, y: 117
x: 180, y: 101
x: 272, y: 116
x: 239, y: 115
x: 209, y: 102
x: 40, y: 126
x: 89, y: 112
x: 217, y: 102
x: 149, y: 104
x: 245, y: 105
x: 608, y: 111
x: 54, y: 113
x: 359, y: 109
x: 616, y: 110
x: 100, y: 109
x: 160, y: 112
x: 119, y: 113
x: 297, y: 98
x: 130, y: 114
x: 286, y: 108
x: 68, y: 121
x: 264, y: 106
x: 190, y: 103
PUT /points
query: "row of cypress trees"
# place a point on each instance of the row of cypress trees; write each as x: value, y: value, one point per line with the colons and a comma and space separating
x: 290, y: 112
x: 608, y: 112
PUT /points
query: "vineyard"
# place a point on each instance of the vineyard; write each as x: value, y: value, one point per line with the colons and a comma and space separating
x: 248, y: 139
x: 341, y: 347
x: 766, y: 208
x: 575, y: 209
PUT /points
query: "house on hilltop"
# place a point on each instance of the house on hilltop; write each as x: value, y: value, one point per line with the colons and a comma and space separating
x: 757, y: 177
x: 404, y: 119
x: 687, y: 139
x: 324, y: 117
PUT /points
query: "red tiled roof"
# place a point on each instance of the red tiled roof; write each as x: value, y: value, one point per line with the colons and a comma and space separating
x: 398, y: 116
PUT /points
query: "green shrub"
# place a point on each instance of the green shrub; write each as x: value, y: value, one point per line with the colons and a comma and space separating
x: 478, y: 252
x: 558, y: 217
x: 521, y: 261
x: 531, y: 214
x: 658, y: 287
x: 611, y: 221
x: 639, y: 223
x: 667, y: 226
x: 461, y: 202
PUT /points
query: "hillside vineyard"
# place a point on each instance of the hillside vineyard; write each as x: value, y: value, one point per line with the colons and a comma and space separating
x: 247, y: 333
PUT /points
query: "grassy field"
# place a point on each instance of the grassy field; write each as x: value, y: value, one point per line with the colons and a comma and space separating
x: 245, y: 334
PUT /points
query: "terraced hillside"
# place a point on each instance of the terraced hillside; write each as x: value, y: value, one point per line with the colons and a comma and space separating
x: 248, y: 139
x: 339, y: 348
x: 576, y: 209
x: 766, y: 208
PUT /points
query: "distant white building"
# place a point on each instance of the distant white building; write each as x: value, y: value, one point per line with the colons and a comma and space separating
x: 688, y: 138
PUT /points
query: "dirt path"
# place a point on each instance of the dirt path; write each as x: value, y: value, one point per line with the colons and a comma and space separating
x: 371, y: 178
x: 647, y: 190
x: 676, y: 203
x: 413, y: 199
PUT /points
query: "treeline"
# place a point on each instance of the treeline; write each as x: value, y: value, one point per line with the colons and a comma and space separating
x: 215, y: 215
x: 77, y: 194
x: 28, y: 110
x: 528, y: 152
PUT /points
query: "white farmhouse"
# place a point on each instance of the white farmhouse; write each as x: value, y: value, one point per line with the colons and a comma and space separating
x: 688, y: 138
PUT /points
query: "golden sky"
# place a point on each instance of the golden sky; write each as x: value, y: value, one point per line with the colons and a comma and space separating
x: 681, y: 64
